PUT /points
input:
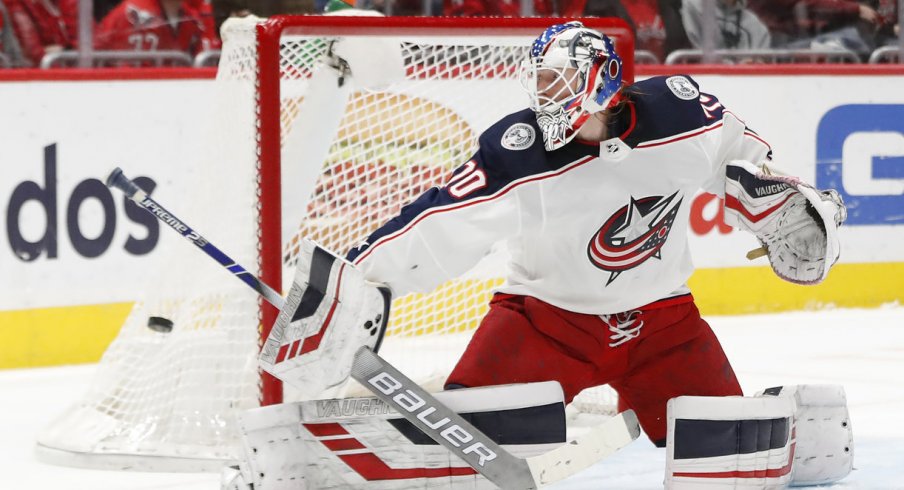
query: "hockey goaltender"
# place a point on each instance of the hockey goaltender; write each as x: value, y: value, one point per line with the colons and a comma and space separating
x: 589, y: 188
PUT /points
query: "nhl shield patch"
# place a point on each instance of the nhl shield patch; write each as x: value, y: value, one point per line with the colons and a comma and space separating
x: 682, y: 87
x: 518, y: 137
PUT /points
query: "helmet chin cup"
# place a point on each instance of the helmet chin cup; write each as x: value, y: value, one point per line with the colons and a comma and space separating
x: 556, y: 127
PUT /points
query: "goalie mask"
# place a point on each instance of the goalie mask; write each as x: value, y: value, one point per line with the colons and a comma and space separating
x: 572, y: 73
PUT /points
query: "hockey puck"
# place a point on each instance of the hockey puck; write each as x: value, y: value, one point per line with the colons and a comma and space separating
x: 160, y: 324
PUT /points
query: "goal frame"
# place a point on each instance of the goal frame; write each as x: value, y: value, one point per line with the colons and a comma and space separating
x: 268, y: 34
x: 160, y: 401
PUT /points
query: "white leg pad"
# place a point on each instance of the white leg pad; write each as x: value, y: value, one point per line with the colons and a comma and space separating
x: 825, y: 441
x: 235, y: 477
x: 735, y: 442
x: 362, y: 443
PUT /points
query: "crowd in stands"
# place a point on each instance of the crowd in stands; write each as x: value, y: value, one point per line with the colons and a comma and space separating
x: 663, y: 26
x: 32, y: 29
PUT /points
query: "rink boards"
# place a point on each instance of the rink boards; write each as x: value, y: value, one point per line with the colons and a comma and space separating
x: 73, y: 259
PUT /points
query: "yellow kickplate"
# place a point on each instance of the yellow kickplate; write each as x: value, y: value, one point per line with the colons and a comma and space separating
x: 60, y: 335
x: 739, y: 290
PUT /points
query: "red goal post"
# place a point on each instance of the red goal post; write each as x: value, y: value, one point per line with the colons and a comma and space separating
x: 295, y: 153
x: 269, y: 35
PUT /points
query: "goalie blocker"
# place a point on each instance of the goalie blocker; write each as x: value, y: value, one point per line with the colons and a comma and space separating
x: 795, y: 435
x: 329, y: 313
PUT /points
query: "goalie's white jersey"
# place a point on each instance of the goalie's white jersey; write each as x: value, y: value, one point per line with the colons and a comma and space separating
x: 591, y: 227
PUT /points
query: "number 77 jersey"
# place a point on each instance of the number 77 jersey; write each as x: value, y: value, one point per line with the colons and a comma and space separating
x: 592, y: 227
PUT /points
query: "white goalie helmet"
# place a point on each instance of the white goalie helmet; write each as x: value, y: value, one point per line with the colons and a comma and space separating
x: 572, y: 72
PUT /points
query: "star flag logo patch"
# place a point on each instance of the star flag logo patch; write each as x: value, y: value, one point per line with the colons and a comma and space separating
x: 633, y: 234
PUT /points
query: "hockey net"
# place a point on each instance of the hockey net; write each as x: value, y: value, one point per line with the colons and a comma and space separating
x: 300, y: 153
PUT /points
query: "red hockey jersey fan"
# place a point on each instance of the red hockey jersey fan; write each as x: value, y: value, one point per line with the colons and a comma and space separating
x: 156, y: 25
x: 39, y: 27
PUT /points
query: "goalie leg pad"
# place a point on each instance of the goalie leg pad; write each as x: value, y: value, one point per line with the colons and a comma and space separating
x: 825, y: 441
x: 364, y: 443
x: 729, y: 442
x: 330, y: 312
x: 236, y: 477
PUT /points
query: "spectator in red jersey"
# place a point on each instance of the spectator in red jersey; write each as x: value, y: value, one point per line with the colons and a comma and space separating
x: 203, y: 10
x: 657, y: 24
x: 39, y: 28
x: 69, y: 13
x: 156, y: 25
x: 512, y: 8
x: 474, y: 8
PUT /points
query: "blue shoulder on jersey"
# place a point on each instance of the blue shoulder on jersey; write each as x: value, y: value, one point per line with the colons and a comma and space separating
x: 662, y: 107
x: 512, y: 149
x: 509, y: 150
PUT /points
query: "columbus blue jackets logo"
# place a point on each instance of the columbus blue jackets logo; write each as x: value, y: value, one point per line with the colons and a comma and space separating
x: 633, y: 234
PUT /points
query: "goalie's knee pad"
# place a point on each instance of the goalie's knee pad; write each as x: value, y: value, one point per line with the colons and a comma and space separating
x: 729, y: 442
x: 824, y: 451
x: 364, y: 443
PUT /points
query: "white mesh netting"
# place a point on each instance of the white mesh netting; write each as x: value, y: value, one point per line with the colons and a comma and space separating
x: 351, y: 156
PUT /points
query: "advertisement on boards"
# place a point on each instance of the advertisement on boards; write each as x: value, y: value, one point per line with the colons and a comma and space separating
x: 66, y: 238
x: 69, y: 243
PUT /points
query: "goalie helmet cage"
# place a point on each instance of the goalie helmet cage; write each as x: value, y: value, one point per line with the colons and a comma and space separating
x: 311, y: 153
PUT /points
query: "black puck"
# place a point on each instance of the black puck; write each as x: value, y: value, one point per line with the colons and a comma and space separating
x: 160, y: 324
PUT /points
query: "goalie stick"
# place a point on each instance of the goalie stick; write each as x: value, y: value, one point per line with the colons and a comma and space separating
x: 419, y: 407
x: 475, y: 448
x: 311, y: 325
x: 118, y: 180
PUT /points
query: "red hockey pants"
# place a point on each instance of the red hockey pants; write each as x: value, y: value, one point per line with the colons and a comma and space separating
x: 523, y: 339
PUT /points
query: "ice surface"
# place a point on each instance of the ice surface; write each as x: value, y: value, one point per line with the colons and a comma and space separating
x: 860, y: 349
